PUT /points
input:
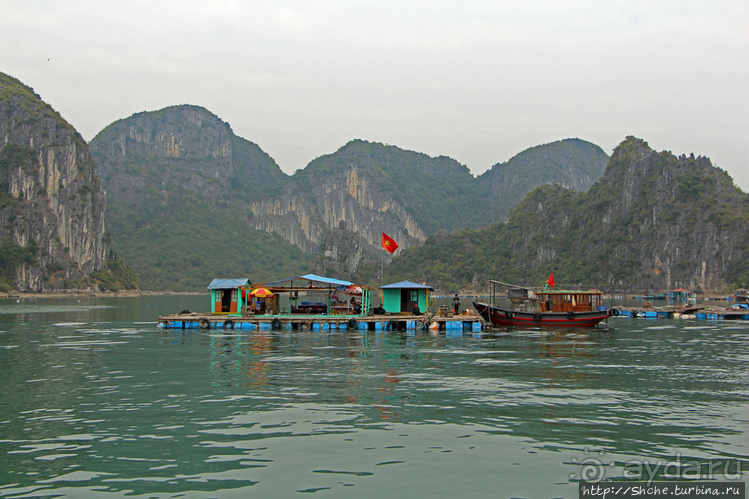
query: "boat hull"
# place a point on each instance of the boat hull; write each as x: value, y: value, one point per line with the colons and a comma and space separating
x: 502, y: 317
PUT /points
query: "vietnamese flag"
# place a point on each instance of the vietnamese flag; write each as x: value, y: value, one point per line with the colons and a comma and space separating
x: 389, y: 243
x: 550, y: 281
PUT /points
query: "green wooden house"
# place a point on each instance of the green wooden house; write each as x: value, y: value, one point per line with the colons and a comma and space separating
x: 404, y: 296
x: 225, y: 296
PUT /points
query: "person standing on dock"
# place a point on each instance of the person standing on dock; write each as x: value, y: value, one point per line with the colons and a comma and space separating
x: 456, y: 304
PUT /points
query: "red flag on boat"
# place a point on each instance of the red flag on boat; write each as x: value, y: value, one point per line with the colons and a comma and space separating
x: 389, y: 243
x: 550, y: 280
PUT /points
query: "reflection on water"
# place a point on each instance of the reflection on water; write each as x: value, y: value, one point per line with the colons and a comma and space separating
x: 93, y: 403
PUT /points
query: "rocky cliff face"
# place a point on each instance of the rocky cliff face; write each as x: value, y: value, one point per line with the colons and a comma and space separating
x: 654, y: 221
x: 184, y: 166
x: 180, y: 184
x: 184, y: 148
x: 683, y: 221
x: 347, y: 202
x: 53, y: 199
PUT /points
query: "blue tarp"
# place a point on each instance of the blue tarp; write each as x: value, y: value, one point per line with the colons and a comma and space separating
x: 229, y: 283
x: 326, y: 280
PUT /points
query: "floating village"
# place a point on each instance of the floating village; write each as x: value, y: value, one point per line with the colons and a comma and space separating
x: 320, y: 303
x: 317, y: 303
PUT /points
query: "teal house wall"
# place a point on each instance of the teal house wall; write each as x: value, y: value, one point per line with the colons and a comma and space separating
x: 403, y: 296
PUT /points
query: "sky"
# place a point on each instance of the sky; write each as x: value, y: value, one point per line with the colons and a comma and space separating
x: 476, y: 80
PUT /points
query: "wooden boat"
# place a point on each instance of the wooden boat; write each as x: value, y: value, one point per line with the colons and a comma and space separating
x: 557, y: 308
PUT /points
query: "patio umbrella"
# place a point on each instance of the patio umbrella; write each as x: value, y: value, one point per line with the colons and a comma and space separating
x: 261, y: 293
x: 353, y: 290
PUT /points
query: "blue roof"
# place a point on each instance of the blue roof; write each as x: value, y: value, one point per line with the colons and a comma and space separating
x: 229, y: 283
x: 315, y: 278
x: 406, y: 285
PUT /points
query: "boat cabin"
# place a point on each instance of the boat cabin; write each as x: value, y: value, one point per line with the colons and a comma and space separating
x: 520, y: 297
x: 405, y: 297
x: 569, y: 301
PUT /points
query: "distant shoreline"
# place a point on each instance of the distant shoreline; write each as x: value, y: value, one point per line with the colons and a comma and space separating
x: 96, y: 294
x: 131, y: 294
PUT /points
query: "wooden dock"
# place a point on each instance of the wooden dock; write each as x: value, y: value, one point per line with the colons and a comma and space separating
x: 298, y: 322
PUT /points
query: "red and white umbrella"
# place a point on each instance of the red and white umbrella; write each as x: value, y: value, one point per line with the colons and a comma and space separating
x: 353, y: 289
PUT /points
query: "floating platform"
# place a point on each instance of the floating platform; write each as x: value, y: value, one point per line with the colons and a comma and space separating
x: 472, y: 323
x: 704, y: 313
x: 646, y: 313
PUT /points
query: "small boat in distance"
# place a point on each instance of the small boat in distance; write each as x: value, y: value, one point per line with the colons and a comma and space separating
x: 557, y: 308
x: 740, y: 296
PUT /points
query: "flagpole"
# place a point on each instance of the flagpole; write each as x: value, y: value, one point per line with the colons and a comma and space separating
x: 382, y: 267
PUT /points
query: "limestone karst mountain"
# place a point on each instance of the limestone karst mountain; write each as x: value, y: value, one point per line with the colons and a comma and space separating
x: 179, y: 176
x: 654, y: 221
x: 180, y: 186
x: 52, y: 234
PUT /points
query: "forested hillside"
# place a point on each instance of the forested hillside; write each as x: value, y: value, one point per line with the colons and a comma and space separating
x: 654, y: 221
x: 571, y: 163
x: 437, y: 192
x: 189, y: 200
x: 340, y: 203
x: 179, y: 184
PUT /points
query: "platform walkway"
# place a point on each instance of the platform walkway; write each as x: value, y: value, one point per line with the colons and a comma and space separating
x: 298, y: 322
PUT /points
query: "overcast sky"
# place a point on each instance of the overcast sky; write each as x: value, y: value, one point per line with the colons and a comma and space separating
x: 478, y: 81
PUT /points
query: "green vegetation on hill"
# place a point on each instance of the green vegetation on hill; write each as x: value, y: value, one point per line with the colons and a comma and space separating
x: 436, y: 192
x: 20, y: 97
x: 182, y: 241
x: 180, y: 215
x: 572, y: 163
x: 12, y: 255
x: 442, y: 195
x: 654, y: 221
x: 180, y: 175
x: 117, y: 276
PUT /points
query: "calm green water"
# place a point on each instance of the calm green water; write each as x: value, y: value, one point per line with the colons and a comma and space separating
x: 95, y: 401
